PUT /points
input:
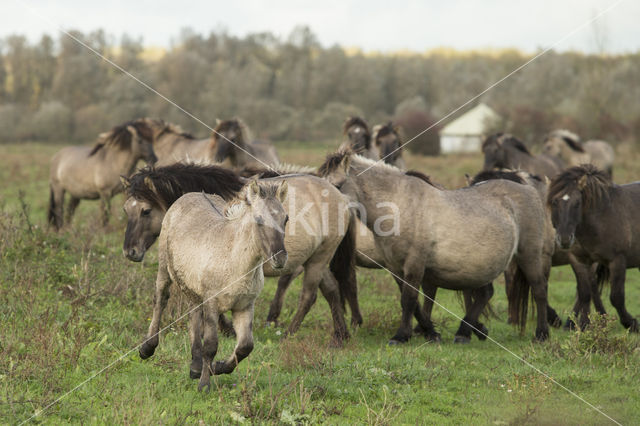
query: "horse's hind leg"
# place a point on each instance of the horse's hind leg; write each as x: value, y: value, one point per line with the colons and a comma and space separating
x: 535, y: 278
x: 413, y: 274
x: 105, y: 202
x: 618, y: 268
x: 210, y: 342
x: 470, y: 322
x: 56, y: 202
x: 243, y: 323
x: 424, y: 319
x: 331, y: 292
x: 71, y: 208
x: 160, y: 299
x: 278, y: 299
x: 584, y: 287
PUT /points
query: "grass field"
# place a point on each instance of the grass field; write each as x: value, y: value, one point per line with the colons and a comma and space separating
x: 71, y: 304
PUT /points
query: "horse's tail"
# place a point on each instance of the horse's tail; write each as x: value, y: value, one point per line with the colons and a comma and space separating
x: 52, y: 209
x: 519, y: 299
x: 343, y: 263
x: 602, y: 276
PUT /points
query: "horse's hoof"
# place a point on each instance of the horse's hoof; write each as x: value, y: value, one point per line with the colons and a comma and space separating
x: 394, y: 342
x: 356, y: 322
x: 220, y: 367
x: 633, y: 328
x: 462, y: 339
x: 146, y: 351
x: 205, y: 386
x: 419, y: 330
x: 555, y: 322
x: 481, y: 331
x: 541, y: 335
x: 569, y: 325
x: 433, y: 337
x: 194, y: 374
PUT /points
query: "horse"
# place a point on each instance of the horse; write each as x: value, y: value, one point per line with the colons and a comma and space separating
x: 321, y: 227
x: 358, y: 138
x: 233, y: 144
x: 172, y: 144
x: 567, y: 146
x: 461, y: 239
x: 589, y: 209
x: 214, y: 252
x: 386, y: 137
x: 504, y: 151
x: 94, y: 172
x: 585, y: 275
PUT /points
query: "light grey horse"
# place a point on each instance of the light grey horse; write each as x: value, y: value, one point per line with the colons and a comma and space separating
x: 567, y: 146
x: 214, y: 252
x: 173, y: 145
x: 504, y: 151
x: 460, y: 240
x: 94, y: 172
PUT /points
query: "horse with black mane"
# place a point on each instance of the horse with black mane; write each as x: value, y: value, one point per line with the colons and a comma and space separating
x: 90, y: 173
x: 358, y: 138
x: 386, y: 137
x: 589, y: 209
x: 505, y: 151
x: 233, y: 145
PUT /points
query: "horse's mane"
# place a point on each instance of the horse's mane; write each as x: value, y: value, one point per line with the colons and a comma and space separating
x: 424, y: 177
x: 281, y: 169
x: 515, y: 143
x: 570, y: 138
x: 593, y: 184
x: 333, y: 161
x: 120, y: 137
x: 171, y: 182
x: 511, y: 175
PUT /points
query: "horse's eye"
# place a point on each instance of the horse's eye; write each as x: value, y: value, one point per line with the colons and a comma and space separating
x: 146, y: 212
x: 259, y: 220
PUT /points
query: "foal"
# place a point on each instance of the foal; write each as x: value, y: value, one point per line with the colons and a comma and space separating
x: 215, y: 253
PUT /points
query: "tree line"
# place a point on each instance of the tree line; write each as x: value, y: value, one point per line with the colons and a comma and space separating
x: 292, y: 88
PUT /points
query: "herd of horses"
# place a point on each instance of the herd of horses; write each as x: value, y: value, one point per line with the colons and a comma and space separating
x: 226, y: 213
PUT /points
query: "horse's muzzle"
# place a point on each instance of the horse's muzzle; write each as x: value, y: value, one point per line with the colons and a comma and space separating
x: 133, y: 254
x: 279, y: 259
x: 565, y: 241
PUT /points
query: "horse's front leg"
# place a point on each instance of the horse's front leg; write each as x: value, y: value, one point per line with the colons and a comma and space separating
x: 243, y: 323
x: 160, y: 299
x: 210, y: 341
x: 105, y: 202
x: 430, y: 332
x: 278, y: 299
x: 330, y: 291
x: 618, y: 268
x: 413, y: 273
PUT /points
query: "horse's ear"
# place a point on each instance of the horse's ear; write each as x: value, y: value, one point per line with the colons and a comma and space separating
x: 149, y: 183
x: 282, y: 191
x: 346, y: 162
x: 218, y: 121
x: 582, y: 182
x: 547, y: 181
x: 133, y: 131
x: 125, y: 181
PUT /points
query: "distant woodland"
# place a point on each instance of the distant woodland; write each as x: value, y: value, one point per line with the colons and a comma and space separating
x: 294, y: 89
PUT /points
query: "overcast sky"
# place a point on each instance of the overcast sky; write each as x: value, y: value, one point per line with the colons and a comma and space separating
x: 371, y: 25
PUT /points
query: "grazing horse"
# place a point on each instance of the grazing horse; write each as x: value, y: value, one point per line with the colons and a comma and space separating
x: 320, y: 230
x: 172, y: 144
x: 459, y: 240
x: 504, y: 151
x: 567, y: 146
x: 358, y: 139
x: 587, y: 208
x: 214, y: 252
x: 233, y: 144
x: 94, y: 172
x: 585, y: 275
x: 389, y: 143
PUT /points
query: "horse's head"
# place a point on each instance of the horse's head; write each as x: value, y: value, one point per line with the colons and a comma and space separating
x: 494, y: 155
x: 144, y: 219
x: 265, y: 202
x: 142, y: 137
x: 227, y: 136
x: 357, y: 131
x: 387, y: 139
x: 558, y: 140
x: 573, y: 193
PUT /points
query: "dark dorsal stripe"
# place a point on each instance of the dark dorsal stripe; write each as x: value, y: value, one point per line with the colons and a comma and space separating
x: 497, y: 174
x: 423, y: 177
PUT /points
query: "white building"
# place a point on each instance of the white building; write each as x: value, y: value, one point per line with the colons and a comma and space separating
x: 466, y: 133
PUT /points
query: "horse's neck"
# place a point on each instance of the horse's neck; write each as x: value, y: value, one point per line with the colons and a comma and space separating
x: 247, y: 237
x: 517, y: 158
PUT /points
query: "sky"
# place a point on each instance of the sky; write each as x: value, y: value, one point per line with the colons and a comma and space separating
x: 385, y: 26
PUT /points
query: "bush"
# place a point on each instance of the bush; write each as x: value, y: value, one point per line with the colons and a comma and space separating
x: 10, y: 117
x: 52, y: 122
x: 413, y: 115
x: 327, y: 124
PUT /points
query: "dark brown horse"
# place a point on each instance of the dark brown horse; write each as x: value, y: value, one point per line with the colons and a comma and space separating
x: 234, y: 145
x: 587, y: 208
x: 505, y: 151
x: 358, y: 138
x: 386, y: 137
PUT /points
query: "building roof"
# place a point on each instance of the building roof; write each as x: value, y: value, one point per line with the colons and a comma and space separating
x: 473, y: 122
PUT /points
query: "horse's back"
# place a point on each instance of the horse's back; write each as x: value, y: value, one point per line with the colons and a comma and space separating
x: 265, y: 151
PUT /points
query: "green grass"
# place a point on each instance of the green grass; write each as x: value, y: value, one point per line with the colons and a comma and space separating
x: 72, y: 305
